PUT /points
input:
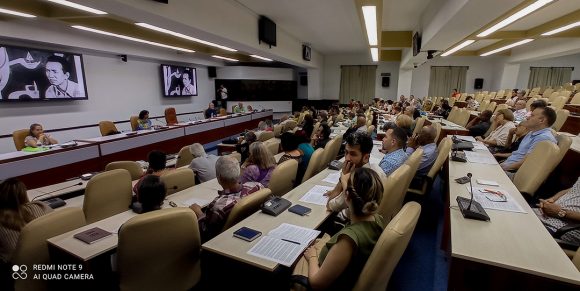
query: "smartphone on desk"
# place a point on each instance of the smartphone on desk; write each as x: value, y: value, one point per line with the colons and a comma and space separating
x: 247, y: 233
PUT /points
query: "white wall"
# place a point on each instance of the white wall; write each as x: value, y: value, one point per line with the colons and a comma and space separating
x: 332, y: 71
x: 566, y: 61
x: 486, y: 68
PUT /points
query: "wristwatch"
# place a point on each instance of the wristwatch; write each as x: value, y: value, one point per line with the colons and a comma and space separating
x: 562, y: 213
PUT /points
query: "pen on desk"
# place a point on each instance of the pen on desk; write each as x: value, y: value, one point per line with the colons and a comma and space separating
x: 290, y: 241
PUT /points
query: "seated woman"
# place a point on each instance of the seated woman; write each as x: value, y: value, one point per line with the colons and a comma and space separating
x: 289, y: 145
x: 36, y: 137
x: 269, y: 125
x: 157, y: 161
x: 560, y: 210
x: 143, y: 122
x: 152, y: 192
x: 512, y: 143
x: 444, y: 109
x: 497, y: 138
x: 243, y: 146
x: 479, y: 125
x: 15, y: 212
x: 308, y: 125
x: 337, y: 263
x: 259, y: 166
x: 321, y: 137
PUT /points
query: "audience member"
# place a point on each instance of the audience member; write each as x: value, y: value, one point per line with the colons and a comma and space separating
x: 157, y: 163
x: 444, y: 109
x: 36, y: 137
x: 520, y: 112
x: 152, y: 192
x: 497, y: 138
x: 203, y: 165
x: 512, y: 143
x: 425, y: 140
x: 210, y: 111
x: 212, y: 220
x: 394, y: 143
x: 243, y: 146
x: 479, y: 125
x: 455, y: 93
x: 472, y: 104
x: 289, y: 145
x: 143, y: 122
x: 259, y: 166
x: 321, y: 137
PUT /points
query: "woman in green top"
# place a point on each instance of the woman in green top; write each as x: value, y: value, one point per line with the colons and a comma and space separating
x: 339, y: 263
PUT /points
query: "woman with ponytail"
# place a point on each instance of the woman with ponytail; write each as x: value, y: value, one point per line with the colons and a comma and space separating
x: 337, y: 263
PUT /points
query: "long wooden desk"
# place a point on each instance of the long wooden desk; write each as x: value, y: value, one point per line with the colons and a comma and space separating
x: 512, y: 251
x: 225, y: 244
x: 91, y: 155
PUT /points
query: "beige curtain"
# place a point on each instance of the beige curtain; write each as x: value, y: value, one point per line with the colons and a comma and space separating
x: 444, y: 79
x: 549, y: 76
x: 357, y: 82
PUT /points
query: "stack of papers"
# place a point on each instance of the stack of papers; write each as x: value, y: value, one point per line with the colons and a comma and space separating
x: 316, y: 195
x: 332, y: 178
x: 501, y: 200
x: 480, y: 158
x: 284, y: 244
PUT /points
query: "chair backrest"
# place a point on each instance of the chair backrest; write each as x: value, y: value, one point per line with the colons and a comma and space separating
x: 371, y: 129
x: 564, y: 143
x: 159, y: 250
x: 462, y: 117
x: 18, y: 136
x: 500, y: 107
x: 442, y: 154
x: 331, y: 150
x: 437, y: 127
x: 184, y: 157
x: 106, y: 127
x: 576, y: 99
x: 491, y: 106
x: 529, y: 102
x: 273, y: 147
x: 266, y: 135
x: 170, y: 116
x: 178, y: 179
x: 561, y: 116
x: 283, y: 177
x: 134, y: 168
x: 552, y: 96
x: 548, y: 92
x: 483, y: 105
x: 223, y: 112
x: 289, y: 125
x: 313, y: 164
x: 419, y: 124
x: 393, y: 193
x: 389, y: 248
x: 32, y: 247
x: 236, y: 155
x: 413, y: 161
x: 559, y: 102
x: 527, y: 179
x: 278, y: 129
x: 246, y: 207
x: 134, y: 122
x: 107, y: 194
x: 453, y: 114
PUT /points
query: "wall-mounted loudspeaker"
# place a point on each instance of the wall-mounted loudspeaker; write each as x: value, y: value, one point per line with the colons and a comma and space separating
x: 478, y: 85
x: 211, y: 72
x: 386, y: 81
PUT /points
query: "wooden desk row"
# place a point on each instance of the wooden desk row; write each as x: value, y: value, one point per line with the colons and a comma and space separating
x: 91, y: 155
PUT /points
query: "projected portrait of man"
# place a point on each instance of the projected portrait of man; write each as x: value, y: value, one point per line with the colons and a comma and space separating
x: 58, y: 74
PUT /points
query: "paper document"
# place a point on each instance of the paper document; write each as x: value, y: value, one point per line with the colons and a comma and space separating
x: 198, y: 201
x: 497, y: 199
x: 480, y: 158
x: 316, y: 195
x: 332, y: 178
x: 479, y: 146
x: 487, y: 182
x: 284, y: 244
x: 465, y: 138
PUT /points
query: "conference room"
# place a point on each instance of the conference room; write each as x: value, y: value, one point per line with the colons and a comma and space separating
x: 353, y: 144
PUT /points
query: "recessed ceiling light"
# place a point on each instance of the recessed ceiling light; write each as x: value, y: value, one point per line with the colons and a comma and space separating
x: 455, y: 49
x: 131, y: 38
x: 527, y: 10
x: 370, y: 17
x: 180, y: 35
x: 563, y: 28
x: 78, y: 6
x: 224, y: 58
x: 261, y: 58
x: 506, y: 47
x: 375, y: 54
x: 16, y: 13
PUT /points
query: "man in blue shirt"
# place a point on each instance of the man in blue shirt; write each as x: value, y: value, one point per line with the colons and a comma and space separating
x: 393, y: 143
x: 539, y: 124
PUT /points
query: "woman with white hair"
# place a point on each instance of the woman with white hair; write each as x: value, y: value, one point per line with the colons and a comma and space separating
x: 203, y: 165
x: 259, y: 166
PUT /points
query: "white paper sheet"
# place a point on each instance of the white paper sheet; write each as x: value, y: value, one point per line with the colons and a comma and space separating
x: 466, y: 138
x: 299, y: 234
x: 316, y: 195
x: 480, y: 158
x: 198, y: 201
x: 496, y: 202
x: 332, y: 178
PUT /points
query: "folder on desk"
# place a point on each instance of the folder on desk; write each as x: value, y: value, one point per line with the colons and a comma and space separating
x: 92, y: 235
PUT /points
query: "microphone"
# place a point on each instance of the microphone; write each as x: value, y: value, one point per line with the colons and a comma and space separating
x: 469, y: 208
x: 160, y: 121
x: 70, y: 186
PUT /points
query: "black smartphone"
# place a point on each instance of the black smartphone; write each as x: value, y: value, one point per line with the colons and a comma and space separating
x: 247, y: 234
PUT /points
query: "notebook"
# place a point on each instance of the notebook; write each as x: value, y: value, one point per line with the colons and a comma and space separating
x: 92, y: 235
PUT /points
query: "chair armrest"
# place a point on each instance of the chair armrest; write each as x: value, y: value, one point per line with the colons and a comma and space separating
x: 300, y: 280
x: 566, y: 228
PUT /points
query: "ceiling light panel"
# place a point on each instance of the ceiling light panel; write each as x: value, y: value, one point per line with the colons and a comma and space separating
x: 495, y: 51
x: 16, y: 13
x: 370, y: 18
x: 561, y: 29
x: 180, y: 35
x: 224, y: 58
x: 514, y: 17
x: 457, y: 48
x: 78, y: 6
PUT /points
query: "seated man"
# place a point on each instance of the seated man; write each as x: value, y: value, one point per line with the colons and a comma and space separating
x: 393, y: 146
x: 425, y: 139
x: 479, y: 125
x: 520, y: 112
x: 359, y: 126
x: 210, y: 111
x: 203, y: 165
x: 211, y: 221
x: 513, y: 141
x: 472, y: 104
x: 497, y: 138
x: 560, y: 210
x: 152, y: 192
x: 539, y: 124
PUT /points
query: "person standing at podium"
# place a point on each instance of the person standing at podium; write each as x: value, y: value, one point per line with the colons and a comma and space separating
x: 36, y: 137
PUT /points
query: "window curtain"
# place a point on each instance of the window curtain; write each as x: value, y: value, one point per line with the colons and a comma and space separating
x: 549, y: 76
x: 444, y: 79
x: 357, y: 82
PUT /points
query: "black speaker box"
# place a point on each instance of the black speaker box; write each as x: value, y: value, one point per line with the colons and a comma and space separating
x: 386, y: 81
x: 211, y: 72
x: 478, y: 84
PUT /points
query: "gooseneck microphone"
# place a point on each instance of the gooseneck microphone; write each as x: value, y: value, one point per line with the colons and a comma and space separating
x: 470, y: 191
x: 469, y: 208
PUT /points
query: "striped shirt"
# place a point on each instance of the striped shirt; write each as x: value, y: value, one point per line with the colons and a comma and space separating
x: 569, y: 202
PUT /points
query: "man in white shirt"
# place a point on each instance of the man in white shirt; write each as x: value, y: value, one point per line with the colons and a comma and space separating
x: 203, y: 165
x: 520, y: 112
x: 497, y: 138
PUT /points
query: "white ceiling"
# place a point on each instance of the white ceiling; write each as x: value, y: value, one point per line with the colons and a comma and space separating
x: 331, y: 26
x: 548, y: 13
x: 402, y: 15
x: 481, y: 44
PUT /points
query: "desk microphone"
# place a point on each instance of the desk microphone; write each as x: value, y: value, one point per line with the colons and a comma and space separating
x: 70, y: 186
x: 160, y: 121
x: 469, y: 208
